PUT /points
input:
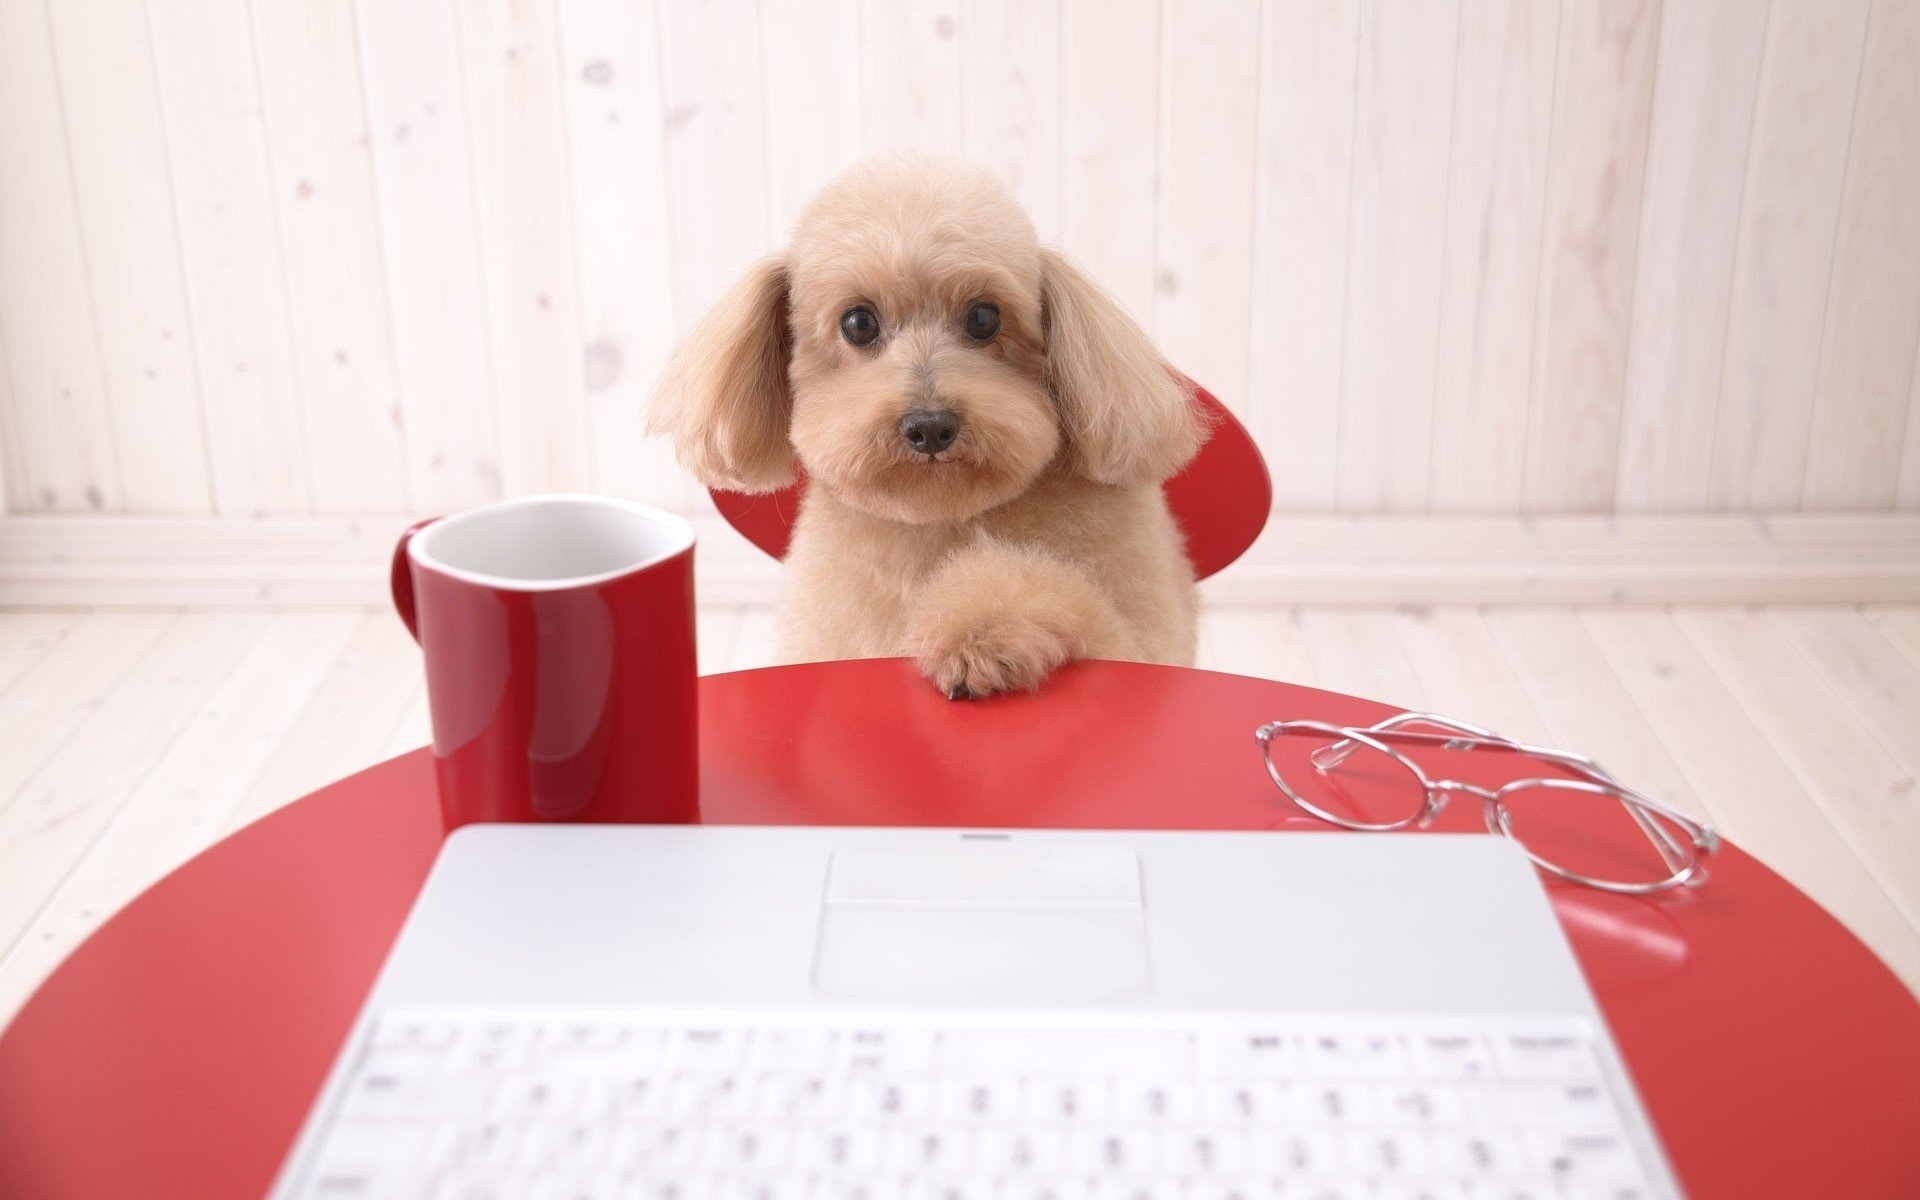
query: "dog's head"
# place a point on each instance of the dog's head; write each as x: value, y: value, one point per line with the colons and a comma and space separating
x: 923, y: 357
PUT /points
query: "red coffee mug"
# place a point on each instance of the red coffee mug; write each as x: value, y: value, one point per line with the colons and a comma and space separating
x: 558, y: 634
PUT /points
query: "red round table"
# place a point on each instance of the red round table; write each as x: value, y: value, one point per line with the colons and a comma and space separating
x: 176, y: 1052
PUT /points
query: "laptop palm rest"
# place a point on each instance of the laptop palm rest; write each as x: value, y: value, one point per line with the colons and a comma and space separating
x: 982, y: 920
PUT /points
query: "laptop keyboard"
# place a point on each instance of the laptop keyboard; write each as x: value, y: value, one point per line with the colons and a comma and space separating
x: 559, y: 1104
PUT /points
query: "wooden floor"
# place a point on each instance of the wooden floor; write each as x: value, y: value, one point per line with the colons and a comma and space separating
x: 130, y: 740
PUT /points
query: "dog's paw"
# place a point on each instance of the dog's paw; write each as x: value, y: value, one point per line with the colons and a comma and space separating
x: 971, y: 660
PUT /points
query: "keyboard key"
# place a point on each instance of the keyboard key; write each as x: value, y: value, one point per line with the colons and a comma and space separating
x: 842, y: 1149
x: 573, y: 1185
x: 396, y: 1085
x: 1353, y: 1056
x: 482, y: 1185
x: 1027, y: 1150
x: 1068, y: 1100
x: 928, y: 1150
x: 1300, y: 1152
x: 539, y: 1096
x: 889, y: 1099
x: 1156, y: 1101
x: 1233, y: 1189
x: 1424, y: 1104
x: 708, y: 1097
x: 372, y: 1159
x: 664, y: 1151
x: 1269, y: 1055
x: 1584, y: 1158
x: 1452, y: 1056
x: 1480, y: 1154
x: 1387, y: 1155
x: 1206, y: 1151
x: 713, y: 1049
x: 1244, y: 1102
x: 1115, y: 1150
x: 416, y: 1035
x: 752, y: 1149
x: 1041, y: 1189
x: 800, y: 1098
x: 486, y: 1143
x: 888, y: 1051
x: 803, y: 1051
x: 1544, y: 1056
x: 1123, y: 1189
x: 977, y: 1099
x: 952, y: 1189
x: 1067, y: 1052
x: 573, y: 1145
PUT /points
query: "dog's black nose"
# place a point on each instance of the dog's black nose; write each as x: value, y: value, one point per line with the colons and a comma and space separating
x: 930, y: 431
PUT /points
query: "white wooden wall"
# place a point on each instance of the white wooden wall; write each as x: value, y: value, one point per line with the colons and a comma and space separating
x: 292, y: 256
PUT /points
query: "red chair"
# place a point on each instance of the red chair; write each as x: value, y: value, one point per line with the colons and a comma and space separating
x: 1220, y: 500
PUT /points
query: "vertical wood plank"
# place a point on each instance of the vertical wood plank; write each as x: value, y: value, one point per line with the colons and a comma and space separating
x: 1683, y: 278
x: 1356, y: 652
x: 13, y: 471
x: 910, y: 75
x: 1865, y: 670
x: 1110, y: 113
x: 1873, y: 303
x: 417, y: 134
x: 1784, y: 253
x: 1909, y: 493
x: 1402, y: 130
x: 1603, y: 90
x: 119, y: 154
x: 1464, y: 674
x: 1267, y: 644
x: 224, y: 188
x: 60, y: 421
x: 1309, y: 56
x: 346, y: 722
x: 511, y: 65
x: 316, y: 119
x: 1209, y: 102
x: 618, y: 173
x: 1496, y: 192
x: 1010, y: 77
x: 811, y: 56
x: 715, y: 140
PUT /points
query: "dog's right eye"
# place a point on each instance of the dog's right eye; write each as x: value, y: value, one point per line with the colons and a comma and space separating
x: 859, y: 326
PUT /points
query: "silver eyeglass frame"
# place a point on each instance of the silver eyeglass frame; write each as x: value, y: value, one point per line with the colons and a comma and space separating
x: 1687, y: 863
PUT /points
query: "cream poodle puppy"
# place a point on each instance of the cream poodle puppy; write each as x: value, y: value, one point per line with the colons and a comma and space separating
x: 983, y: 429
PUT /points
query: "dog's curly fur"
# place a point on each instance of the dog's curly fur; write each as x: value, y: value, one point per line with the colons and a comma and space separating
x: 1041, y: 535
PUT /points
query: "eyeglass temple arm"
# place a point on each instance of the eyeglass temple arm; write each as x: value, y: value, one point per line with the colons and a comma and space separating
x: 1463, y: 736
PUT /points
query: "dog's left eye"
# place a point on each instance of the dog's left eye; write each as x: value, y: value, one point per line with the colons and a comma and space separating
x: 859, y: 326
x: 983, y: 321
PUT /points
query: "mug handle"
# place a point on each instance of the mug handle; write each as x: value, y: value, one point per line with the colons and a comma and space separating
x: 400, y: 577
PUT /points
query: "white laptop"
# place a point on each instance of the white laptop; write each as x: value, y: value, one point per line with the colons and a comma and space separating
x: 677, y: 1013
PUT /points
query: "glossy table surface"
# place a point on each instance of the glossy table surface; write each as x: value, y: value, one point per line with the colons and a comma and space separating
x: 176, y: 1052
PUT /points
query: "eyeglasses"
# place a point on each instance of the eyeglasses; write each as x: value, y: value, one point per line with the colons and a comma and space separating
x: 1356, y: 778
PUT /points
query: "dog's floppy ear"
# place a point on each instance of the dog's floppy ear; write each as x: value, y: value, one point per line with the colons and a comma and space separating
x: 725, y: 397
x: 1128, y: 417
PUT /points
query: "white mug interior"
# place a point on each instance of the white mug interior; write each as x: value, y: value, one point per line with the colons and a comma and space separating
x: 545, y: 543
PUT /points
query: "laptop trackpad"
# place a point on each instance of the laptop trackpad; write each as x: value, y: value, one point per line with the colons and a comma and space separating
x: 982, y: 920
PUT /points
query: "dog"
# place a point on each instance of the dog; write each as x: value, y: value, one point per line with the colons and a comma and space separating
x: 983, y: 429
